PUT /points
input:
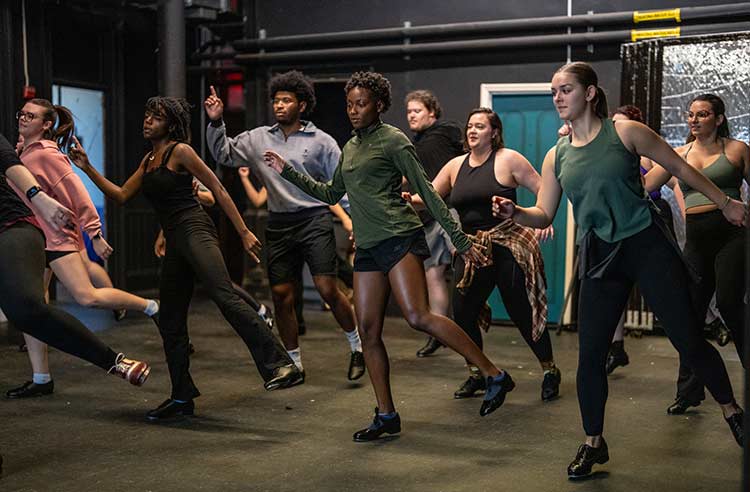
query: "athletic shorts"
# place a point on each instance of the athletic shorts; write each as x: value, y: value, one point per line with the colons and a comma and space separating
x: 310, y: 240
x: 384, y: 255
x: 439, y: 244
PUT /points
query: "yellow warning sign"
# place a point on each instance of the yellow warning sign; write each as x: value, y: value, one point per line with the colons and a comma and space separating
x: 638, y: 34
x: 656, y: 15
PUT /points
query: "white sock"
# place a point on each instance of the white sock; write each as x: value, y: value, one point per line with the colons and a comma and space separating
x: 296, y: 356
x: 152, y: 307
x: 41, y: 378
x: 354, y: 342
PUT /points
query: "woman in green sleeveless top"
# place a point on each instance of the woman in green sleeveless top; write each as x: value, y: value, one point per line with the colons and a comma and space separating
x: 598, y: 169
x: 714, y: 248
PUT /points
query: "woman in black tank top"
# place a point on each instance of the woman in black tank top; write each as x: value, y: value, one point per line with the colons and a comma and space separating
x: 166, y: 176
x: 490, y: 169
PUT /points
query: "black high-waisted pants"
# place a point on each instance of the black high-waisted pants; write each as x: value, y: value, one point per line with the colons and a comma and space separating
x: 648, y: 259
x: 22, y: 299
x: 716, y: 250
x: 193, y: 252
x: 508, y: 276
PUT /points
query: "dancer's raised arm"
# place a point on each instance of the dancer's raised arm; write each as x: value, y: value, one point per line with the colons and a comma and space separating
x: 119, y: 194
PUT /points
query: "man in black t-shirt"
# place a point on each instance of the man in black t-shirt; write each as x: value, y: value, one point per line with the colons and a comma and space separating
x: 436, y: 143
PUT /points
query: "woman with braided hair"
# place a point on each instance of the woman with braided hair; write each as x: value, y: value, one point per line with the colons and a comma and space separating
x: 192, y: 250
x: 391, y: 244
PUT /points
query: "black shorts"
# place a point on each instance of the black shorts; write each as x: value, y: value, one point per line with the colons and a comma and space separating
x: 56, y: 255
x: 384, y: 255
x: 290, y: 245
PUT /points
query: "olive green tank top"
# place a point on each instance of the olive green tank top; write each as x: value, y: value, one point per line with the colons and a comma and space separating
x: 725, y: 176
x: 602, y: 179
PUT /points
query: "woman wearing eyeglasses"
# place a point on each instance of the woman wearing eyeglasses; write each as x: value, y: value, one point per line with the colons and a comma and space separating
x: 714, y: 247
x: 45, y: 128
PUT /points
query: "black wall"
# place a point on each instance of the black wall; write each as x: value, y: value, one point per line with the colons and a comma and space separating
x: 100, y: 46
x: 455, y: 79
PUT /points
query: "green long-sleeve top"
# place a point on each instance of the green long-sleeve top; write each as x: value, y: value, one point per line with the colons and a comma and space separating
x: 370, y: 169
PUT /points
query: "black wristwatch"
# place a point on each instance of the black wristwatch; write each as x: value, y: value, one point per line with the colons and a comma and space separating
x: 32, y: 192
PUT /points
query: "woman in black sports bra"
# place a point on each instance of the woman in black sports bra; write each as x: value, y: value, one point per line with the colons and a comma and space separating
x: 472, y: 180
x: 166, y: 176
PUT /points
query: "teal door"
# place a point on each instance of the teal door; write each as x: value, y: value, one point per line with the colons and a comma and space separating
x: 530, y: 124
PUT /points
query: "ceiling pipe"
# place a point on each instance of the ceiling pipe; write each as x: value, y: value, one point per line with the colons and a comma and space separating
x: 483, y: 45
x: 496, y: 27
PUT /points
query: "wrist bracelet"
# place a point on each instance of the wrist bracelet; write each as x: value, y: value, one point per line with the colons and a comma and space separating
x: 32, y: 192
x: 726, y: 202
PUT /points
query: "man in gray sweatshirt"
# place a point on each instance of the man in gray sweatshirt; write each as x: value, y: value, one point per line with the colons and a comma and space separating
x: 300, y: 228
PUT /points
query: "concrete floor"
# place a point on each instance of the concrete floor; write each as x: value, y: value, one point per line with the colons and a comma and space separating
x: 91, y: 435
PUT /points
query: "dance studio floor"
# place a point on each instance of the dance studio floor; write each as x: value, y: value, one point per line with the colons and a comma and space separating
x: 91, y: 435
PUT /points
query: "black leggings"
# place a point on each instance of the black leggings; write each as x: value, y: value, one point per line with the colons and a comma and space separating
x: 716, y: 249
x: 507, y: 275
x: 647, y: 259
x: 22, y: 299
x: 193, y: 251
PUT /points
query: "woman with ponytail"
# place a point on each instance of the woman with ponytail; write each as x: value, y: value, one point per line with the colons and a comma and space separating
x: 713, y: 247
x: 46, y: 129
x: 622, y: 242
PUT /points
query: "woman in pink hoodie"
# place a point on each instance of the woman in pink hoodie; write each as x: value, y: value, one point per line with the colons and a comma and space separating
x: 45, y: 129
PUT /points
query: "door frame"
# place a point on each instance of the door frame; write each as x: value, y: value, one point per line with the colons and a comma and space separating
x: 486, y: 93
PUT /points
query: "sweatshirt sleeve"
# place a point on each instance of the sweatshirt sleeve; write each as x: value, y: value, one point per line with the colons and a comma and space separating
x: 88, y: 218
x: 405, y: 157
x: 231, y: 152
x: 329, y: 193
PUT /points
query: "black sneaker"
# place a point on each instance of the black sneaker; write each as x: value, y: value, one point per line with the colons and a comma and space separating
x: 617, y: 358
x: 551, y: 384
x: 585, y: 459
x: 430, y: 347
x: 285, y: 377
x: 496, y: 392
x: 30, y: 389
x: 737, y: 425
x: 356, y: 366
x: 171, y: 410
x: 470, y: 387
x: 378, y: 427
x: 681, y: 406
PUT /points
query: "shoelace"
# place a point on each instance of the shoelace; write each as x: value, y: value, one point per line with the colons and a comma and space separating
x: 118, y: 360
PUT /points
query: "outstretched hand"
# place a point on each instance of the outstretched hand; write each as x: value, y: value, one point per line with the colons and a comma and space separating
x: 214, y: 105
x: 545, y: 234
x: 78, y: 155
x: 274, y: 160
x: 102, y: 247
x: 251, y: 245
x: 51, y: 212
x: 477, y: 254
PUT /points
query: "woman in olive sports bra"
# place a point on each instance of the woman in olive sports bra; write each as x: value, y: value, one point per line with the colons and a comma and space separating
x: 713, y: 247
x: 598, y: 167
